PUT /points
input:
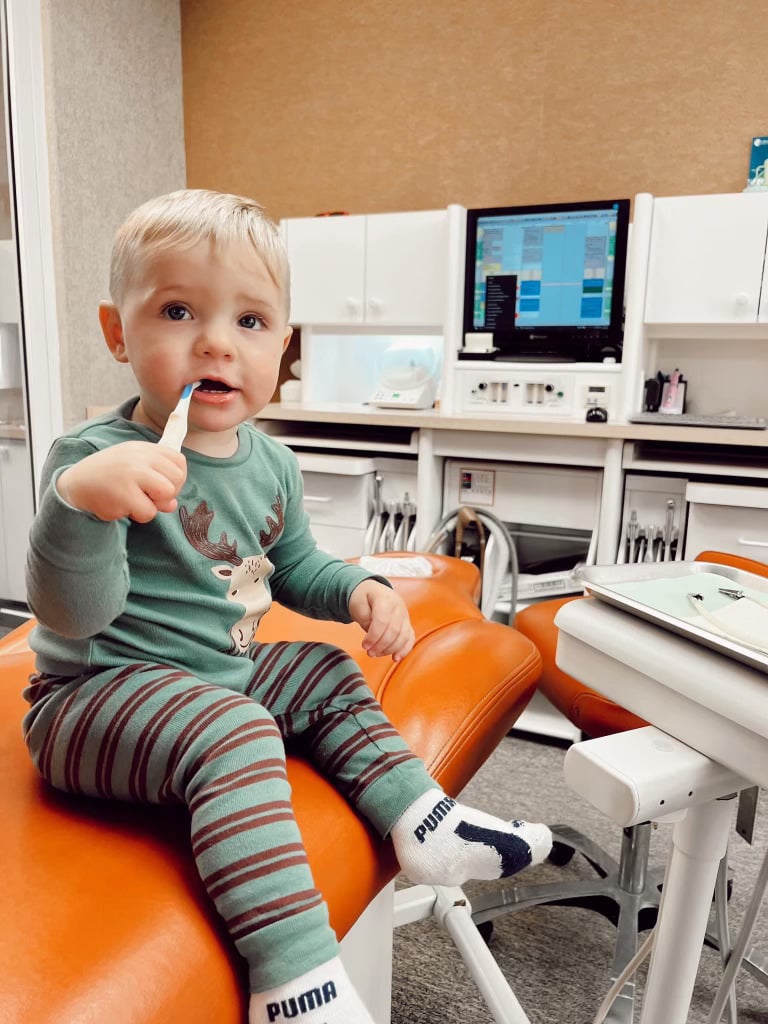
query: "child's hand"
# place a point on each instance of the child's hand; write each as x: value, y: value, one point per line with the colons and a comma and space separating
x: 136, y: 479
x: 384, y: 617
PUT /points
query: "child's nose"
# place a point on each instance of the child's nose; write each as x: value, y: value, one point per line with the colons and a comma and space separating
x: 215, y: 342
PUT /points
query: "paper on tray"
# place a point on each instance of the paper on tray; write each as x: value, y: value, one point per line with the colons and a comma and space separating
x: 744, y: 620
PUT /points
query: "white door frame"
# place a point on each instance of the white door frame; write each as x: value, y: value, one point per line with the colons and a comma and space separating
x: 33, y: 222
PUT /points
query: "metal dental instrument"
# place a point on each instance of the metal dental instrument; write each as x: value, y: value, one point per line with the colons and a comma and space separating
x: 387, y: 538
x: 669, y: 524
x: 652, y: 533
x: 402, y: 527
x: 658, y: 543
x: 737, y: 595
x: 632, y: 534
x: 373, y: 532
x: 406, y: 526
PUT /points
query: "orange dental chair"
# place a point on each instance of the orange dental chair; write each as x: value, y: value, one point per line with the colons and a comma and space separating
x: 103, y: 916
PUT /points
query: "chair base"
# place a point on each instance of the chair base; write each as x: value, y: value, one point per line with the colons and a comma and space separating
x: 453, y: 911
x: 626, y: 892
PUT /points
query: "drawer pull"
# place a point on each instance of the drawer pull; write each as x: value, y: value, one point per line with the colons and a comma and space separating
x: 317, y: 500
x: 753, y: 543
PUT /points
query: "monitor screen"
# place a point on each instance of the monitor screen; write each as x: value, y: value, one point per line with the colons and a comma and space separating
x: 548, y: 279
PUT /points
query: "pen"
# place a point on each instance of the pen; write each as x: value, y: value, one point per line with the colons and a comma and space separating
x: 671, y: 400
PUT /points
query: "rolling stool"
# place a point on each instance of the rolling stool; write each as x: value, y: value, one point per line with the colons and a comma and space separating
x: 626, y: 892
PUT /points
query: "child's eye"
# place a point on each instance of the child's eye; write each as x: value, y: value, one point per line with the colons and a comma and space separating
x: 251, y: 322
x: 176, y: 312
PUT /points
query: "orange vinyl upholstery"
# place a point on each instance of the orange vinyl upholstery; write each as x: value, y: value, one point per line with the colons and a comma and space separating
x: 103, y: 916
x: 594, y: 714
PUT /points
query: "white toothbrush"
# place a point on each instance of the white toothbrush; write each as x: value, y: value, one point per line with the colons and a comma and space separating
x: 176, y: 427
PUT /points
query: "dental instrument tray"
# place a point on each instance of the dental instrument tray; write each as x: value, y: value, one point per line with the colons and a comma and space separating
x: 701, y: 601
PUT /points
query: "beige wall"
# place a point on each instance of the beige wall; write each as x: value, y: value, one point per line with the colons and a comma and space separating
x: 115, y: 136
x: 371, y: 106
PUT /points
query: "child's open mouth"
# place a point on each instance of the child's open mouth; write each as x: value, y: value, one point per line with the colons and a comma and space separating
x: 209, y: 386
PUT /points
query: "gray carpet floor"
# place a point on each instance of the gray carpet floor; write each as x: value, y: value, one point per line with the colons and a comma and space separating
x: 557, y: 959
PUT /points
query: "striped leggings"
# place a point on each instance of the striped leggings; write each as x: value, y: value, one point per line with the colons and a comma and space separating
x: 151, y: 734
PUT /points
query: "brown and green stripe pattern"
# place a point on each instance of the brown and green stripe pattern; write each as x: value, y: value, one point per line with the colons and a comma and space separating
x: 152, y: 734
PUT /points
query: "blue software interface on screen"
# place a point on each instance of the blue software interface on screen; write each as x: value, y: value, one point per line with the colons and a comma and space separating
x: 545, y: 269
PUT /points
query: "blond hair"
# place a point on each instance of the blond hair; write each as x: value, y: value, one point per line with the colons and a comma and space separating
x: 184, y: 218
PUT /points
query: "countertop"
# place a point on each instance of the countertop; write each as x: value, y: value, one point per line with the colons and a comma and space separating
x: 433, y: 419
x: 364, y: 415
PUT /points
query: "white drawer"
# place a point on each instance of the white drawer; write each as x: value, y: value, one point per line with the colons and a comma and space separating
x: 338, y: 489
x: 339, y: 541
x: 722, y: 517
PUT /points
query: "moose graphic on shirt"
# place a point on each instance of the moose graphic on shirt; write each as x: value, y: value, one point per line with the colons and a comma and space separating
x: 245, y: 576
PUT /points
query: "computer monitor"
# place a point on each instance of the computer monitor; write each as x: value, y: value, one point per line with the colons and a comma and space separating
x: 548, y: 280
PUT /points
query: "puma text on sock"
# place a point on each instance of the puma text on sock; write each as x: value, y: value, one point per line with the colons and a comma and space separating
x: 441, y: 842
x: 323, y: 995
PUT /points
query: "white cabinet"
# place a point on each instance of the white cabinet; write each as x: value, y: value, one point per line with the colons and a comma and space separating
x: 707, y: 257
x: 17, y: 509
x: 338, y: 493
x: 387, y: 269
x: 726, y: 517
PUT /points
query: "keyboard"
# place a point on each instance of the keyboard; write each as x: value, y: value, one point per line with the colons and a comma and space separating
x: 691, y: 419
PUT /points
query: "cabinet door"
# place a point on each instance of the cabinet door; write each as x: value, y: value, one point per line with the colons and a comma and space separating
x: 327, y: 257
x: 725, y: 517
x: 706, y: 259
x: 406, y: 268
x: 16, y: 506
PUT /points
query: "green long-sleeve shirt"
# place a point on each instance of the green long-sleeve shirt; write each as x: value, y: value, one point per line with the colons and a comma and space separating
x: 188, y: 588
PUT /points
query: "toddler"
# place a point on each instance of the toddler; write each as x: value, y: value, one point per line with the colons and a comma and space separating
x: 148, y: 571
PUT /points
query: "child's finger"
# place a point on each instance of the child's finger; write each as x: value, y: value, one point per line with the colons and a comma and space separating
x: 403, y: 644
x: 142, y: 509
x: 396, y: 639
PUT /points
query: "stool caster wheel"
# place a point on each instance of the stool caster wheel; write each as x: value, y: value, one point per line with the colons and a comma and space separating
x: 486, y: 931
x: 560, y: 854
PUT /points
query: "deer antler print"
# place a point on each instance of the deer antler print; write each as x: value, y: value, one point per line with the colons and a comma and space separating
x: 195, y: 528
x: 244, y: 576
x: 267, y: 537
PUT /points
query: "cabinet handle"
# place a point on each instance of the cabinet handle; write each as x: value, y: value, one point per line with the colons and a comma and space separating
x: 742, y: 300
x: 317, y: 500
x: 375, y: 306
x: 752, y: 543
x: 352, y: 307
x: 5, y: 452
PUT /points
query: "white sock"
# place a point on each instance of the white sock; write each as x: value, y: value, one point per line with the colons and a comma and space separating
x: 441, y: 842
x: 323, y: 995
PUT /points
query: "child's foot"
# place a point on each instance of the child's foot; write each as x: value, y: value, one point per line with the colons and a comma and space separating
x: 323, y: 995
x: 441, y: 842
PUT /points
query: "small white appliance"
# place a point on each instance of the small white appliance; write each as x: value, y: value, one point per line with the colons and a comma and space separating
x: 408, y: 376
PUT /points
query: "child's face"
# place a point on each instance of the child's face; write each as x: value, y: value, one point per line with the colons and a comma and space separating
x: 207, y: 314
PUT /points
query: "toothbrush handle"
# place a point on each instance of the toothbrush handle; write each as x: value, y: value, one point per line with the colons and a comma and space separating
x: 175, y: 431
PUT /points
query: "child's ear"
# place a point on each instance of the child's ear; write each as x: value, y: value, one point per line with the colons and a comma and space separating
x: 112, y: 329
x: 287, y: 338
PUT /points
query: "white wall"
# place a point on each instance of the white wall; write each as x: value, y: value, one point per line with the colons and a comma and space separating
x: 113, y: 95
